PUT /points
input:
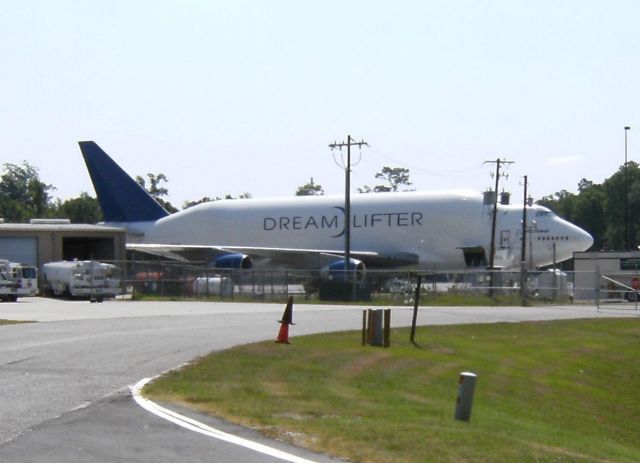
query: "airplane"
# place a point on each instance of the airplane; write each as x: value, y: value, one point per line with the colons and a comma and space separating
x: 422, y: 230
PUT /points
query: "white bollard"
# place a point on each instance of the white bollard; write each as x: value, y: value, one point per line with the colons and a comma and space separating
x: 466, y: 386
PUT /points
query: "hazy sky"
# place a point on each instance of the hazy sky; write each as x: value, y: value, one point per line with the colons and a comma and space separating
x: 245, y: 96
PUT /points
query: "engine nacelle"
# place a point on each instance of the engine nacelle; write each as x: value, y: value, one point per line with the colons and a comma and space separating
x: 239, y: 261
x: 335, y: 271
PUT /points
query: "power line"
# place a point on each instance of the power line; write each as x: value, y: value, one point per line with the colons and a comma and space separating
x: 418, y: 168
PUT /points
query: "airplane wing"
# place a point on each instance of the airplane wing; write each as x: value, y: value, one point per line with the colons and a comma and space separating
x: 274, y: 257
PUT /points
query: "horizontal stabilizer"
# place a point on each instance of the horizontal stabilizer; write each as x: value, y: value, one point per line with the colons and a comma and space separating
x: 121, y: 198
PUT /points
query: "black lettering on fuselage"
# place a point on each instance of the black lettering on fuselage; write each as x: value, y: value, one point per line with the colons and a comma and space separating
x: 362, y: 223
x: 373, y: 220
x: 329, y: 224
x: 269, y: 223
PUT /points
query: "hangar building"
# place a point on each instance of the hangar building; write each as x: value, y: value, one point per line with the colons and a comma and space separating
x: 43, y: 241
x: 607, y: 274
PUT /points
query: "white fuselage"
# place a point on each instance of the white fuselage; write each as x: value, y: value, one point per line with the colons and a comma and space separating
x: 435, y: 226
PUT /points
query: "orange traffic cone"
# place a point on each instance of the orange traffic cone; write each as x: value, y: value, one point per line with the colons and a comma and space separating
x: 287, y: 319
x: 283, y: 334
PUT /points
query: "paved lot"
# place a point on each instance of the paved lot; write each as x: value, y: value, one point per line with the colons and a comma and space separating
x: 65, y: 379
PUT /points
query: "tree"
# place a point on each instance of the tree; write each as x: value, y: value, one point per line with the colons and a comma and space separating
x: 589, y: 213
x: 584, y: 185
x: 614, y: 205
x: 310, y: 189
x: 188, y: 204
x: 395, y: 177
x: 23, y: 195
x: 561, y: 202
x: 157, y: 191
x: 206, y: 199
x: 83, y: 209
x: 600, y: 209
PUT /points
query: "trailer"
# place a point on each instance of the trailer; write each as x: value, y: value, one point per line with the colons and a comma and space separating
x: 81, y: 279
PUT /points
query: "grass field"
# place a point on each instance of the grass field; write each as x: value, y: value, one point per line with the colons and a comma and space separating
x: 547, y: 391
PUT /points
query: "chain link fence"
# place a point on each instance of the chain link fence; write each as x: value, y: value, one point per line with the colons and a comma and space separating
x: 387, y: 287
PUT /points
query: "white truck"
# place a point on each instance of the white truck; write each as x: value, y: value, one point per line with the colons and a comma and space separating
x: 7, y: 283
x: 82, y: 279
x: 26, y: 279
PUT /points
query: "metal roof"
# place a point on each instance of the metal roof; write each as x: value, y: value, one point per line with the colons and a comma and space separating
x: 74, y: 227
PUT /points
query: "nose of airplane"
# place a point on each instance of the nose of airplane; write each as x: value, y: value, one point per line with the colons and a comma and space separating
x: 582, y: 239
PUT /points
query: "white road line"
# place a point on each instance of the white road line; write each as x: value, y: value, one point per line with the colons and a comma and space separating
x: 202, y: 428
x: 80, y: 407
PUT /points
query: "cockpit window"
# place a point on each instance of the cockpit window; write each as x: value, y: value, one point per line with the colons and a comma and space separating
x: 542, y: 211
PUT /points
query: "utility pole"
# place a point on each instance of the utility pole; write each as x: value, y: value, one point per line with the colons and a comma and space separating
x: 524, y: 221
x: 626, y: 194
x: 347, y: 200
x: 523, y: 262
x: 498, y: 162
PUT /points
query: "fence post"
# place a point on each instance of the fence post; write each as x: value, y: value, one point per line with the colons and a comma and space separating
x: 523, y: 282
x: 286, y: 283
x: 635, y: 299
x: 416, y: 304
x: 207, y: 292
x: 597, y: 287
x: 375, y: 335
x: 253, y: 284
x: 386, y: 336
x: 364, y: 327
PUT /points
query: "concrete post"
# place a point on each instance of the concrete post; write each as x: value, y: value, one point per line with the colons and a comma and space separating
x: 466, y: 386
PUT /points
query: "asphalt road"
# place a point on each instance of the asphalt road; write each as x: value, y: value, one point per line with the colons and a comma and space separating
x: 65, y: 380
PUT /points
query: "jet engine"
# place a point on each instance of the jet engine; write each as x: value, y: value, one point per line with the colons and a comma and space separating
x: 335, y: 271
x: 239, y: 261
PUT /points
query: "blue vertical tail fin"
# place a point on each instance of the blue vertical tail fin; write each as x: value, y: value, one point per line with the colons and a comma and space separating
x: 121, y: 198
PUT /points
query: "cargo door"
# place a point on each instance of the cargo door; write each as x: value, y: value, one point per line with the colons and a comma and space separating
x: 475, y: 256
x: 505, y: 239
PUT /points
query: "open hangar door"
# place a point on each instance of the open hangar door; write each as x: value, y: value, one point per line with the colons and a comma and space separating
x: 23, y: 250
x: 83, y: 248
